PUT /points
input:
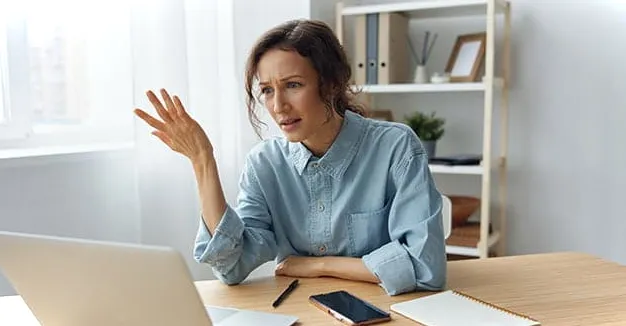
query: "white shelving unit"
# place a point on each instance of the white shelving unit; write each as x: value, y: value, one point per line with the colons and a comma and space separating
x: 489, y: 85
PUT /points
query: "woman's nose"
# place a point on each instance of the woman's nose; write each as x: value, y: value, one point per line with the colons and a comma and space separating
x: 280, y: 102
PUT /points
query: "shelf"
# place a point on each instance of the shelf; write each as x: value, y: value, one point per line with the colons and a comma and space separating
x: 427, y: 88
x: 465, y: 240
x: 472, y: 251
x: 458, y: 169
x: 431, y: 8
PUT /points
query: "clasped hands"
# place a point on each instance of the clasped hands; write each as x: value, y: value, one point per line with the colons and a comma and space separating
x: 297, y: 266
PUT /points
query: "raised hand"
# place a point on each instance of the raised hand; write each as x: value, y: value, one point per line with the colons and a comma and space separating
x: 177, y: 129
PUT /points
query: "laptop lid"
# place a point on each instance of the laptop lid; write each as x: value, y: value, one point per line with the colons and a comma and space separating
x: 76, y: 282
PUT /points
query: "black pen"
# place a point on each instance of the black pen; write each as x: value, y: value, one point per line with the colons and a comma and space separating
x: 285, y: 293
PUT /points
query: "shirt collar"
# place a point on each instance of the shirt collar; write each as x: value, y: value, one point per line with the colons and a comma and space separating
x: 341, y: 152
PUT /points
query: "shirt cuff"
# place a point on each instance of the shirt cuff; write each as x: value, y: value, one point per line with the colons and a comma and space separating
x: 393, y: 267
x: 216, y: 249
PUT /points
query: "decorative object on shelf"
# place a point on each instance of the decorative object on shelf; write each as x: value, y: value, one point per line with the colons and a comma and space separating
x: 428, y: 128
x: 384, y: 115
x: 421, y: 73
x: 468, y: 55
x: 440, y: 78
x: 462, y: 208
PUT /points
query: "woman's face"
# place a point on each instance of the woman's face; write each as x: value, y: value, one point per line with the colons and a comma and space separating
x: 289, y: 90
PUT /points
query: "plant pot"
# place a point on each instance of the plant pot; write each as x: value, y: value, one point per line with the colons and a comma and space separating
x: 430, y: 146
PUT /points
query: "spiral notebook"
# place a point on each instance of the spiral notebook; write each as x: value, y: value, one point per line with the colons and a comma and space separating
x: 452, y: 308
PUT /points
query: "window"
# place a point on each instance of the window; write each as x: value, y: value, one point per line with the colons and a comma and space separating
x: 3, y: 106
x: 3, y: 83
x: 11, y: 122
x: 67, y: 74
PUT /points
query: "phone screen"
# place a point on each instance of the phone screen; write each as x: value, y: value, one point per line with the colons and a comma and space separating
x: 350, y: 306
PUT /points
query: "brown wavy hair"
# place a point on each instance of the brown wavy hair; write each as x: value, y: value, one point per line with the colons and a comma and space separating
x: 317, y: 42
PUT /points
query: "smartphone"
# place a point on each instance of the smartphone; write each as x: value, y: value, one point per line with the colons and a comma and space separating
x: 349, y: 309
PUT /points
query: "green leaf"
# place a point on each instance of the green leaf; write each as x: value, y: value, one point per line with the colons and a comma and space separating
x: 428, y: 127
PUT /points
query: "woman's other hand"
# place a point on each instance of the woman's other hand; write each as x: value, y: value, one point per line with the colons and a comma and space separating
x: 296, y: 266
x: 349, y: 268
x: 178, y: 130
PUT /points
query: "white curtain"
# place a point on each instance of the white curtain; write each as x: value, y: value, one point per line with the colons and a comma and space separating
x: 196, y: 49
x: 188, y: 48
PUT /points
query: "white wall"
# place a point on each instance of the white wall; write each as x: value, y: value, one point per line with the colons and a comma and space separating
x: 567, y: 112
x: 87, y: 196
x: 568, y: 117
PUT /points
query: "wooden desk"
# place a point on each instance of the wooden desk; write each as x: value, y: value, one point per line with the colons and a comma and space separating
x: 557, y: 289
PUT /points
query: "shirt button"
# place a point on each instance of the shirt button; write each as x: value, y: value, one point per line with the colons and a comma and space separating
x: 315, y: 165
x: 320, y: 207
x: 323, y: 248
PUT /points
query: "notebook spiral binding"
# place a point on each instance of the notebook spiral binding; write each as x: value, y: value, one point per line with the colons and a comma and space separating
x: 467, y: 296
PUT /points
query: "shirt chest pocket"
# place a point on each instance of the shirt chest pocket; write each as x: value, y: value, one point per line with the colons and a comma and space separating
x: 368, y: 230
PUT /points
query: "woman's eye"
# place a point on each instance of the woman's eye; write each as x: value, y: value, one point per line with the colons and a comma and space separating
x: 293, y: 84
x: 266, y: 90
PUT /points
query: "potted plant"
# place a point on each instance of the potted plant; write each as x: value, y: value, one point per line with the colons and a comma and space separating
x: 428, y: 128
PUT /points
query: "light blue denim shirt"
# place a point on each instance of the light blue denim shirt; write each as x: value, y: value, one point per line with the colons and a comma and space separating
x: 370, y: 196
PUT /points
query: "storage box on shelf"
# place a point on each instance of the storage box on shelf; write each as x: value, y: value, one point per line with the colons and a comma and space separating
x: 472, y: 239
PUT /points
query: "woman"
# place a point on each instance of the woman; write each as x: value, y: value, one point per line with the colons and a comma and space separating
x: 340, y: 195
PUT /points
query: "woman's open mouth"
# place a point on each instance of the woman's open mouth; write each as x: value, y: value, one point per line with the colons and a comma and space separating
x: 290, y: 125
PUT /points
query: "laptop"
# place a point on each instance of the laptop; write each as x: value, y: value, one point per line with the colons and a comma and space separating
x: 78, y: 282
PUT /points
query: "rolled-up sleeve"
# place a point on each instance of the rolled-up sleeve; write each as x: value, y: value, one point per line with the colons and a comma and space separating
x: 244, y: 238
x: 415, y: 259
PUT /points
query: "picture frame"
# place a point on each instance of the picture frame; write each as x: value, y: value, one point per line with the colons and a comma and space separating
x: 467, y: 57
x: 384, y: 115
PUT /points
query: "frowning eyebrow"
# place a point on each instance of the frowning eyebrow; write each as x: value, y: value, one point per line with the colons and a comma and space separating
x: 282, y: 79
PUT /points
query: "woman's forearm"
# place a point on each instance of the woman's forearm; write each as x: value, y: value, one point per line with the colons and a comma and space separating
x: 349, y: 268
x: 210, y: 188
